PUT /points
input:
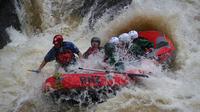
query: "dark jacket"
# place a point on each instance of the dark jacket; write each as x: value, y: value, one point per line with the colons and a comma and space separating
x: 139, y: 46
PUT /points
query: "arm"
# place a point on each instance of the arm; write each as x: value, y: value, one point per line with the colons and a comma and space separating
x: 42, y: 65
x: 80, y: 55
x: 49, y: 57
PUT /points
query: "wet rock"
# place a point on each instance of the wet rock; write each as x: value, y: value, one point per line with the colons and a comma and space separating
x: 99, y: 7
x: 32, y: 19
x: 84, y: 9
x: 8, y: 17
x: 4, y: 38
x: 102, y: 6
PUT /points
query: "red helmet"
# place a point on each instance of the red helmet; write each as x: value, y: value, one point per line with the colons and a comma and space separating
x: 57, y: 39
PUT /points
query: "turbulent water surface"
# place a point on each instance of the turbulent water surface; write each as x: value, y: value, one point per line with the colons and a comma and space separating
x: 175, y: 90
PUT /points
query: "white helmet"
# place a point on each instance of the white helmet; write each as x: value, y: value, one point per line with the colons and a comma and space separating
x: 124, y: 38
x: 114, y: 40
x: 133, y: 34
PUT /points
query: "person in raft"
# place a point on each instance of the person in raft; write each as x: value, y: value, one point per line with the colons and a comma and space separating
x: 95, y: 47
x: 63, y: 52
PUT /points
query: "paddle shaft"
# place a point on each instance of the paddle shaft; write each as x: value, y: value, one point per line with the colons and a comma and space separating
x: 130, y: 74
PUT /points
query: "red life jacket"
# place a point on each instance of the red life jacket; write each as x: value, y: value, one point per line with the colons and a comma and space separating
x: 65, y: 57
x: 164, y: 54
x: 91, y: 51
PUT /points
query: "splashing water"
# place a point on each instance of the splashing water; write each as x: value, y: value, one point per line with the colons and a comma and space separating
x: 166, y: 91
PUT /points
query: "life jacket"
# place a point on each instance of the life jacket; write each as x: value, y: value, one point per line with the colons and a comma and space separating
x: 91, y: 51
x: 164, y: 54
x: 65, y: 57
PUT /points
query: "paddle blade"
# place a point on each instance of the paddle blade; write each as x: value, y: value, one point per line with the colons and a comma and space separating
x: 137, y: 75
x: 80, y: 68
x: 35, y: 71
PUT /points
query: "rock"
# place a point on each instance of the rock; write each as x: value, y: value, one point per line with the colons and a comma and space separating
x: 8, y: 17
x: 99, y: 7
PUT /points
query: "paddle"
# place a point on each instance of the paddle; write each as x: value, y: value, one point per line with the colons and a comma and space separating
x: 35, y: 71
x: 111, y: 71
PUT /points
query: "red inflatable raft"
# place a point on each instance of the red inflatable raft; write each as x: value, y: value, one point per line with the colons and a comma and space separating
x: 85, y: 80
x: 78, y: 87
x: 91, y: 80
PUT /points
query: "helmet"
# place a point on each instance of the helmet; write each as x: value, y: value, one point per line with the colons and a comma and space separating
x: 57, y: 39
x: 133, y: 34
x: 96, y: 39
x: 114, y: 40
x: 124, y: 38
